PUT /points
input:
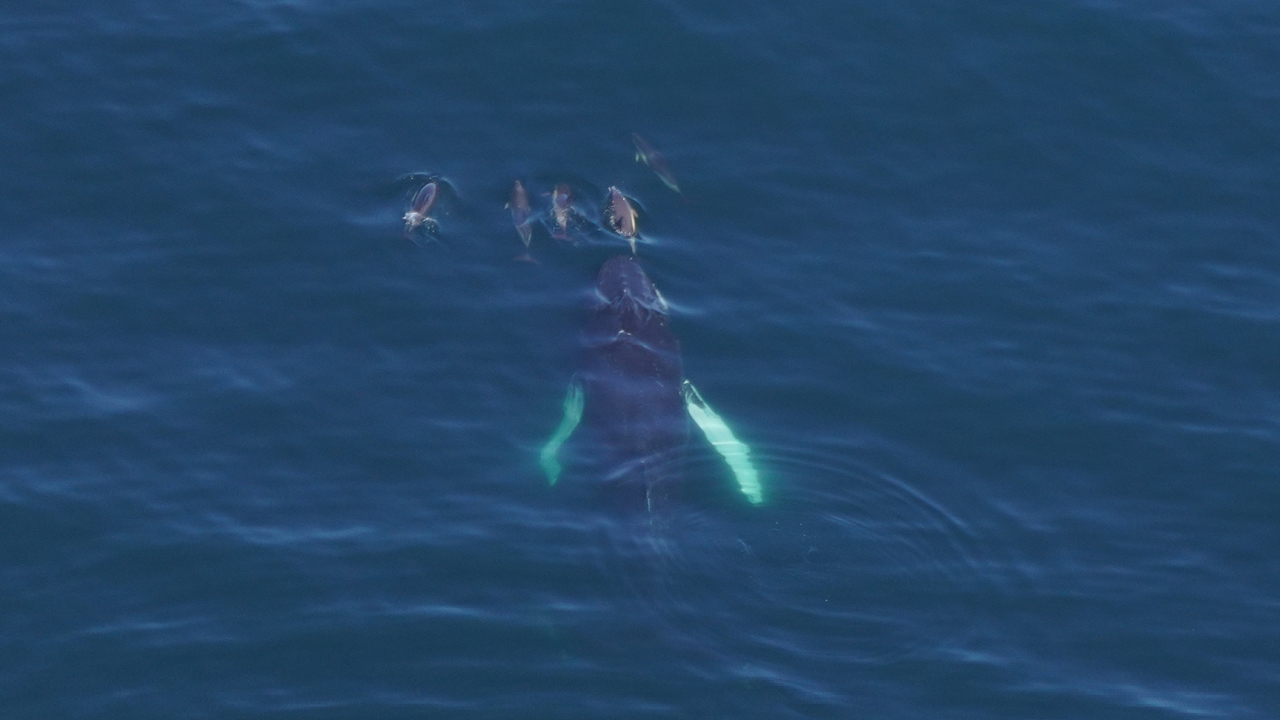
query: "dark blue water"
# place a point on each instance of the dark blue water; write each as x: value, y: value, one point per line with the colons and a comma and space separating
x: 991, y: 290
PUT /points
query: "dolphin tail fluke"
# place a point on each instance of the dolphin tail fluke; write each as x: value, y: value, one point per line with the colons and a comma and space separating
x: 734, y: 451
x: 549, y: 457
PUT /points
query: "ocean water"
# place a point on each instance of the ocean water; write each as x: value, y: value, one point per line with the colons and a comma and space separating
x: 991, y: 289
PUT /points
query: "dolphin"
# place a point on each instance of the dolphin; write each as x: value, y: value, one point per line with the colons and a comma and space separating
x: 646, y: 154
x: 632, y: 394
x: 621, y: 216
x: 520, y: 213
x: 561, y: 210
x: 420, y: 210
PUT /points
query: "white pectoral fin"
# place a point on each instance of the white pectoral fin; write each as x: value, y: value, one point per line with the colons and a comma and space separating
x: 734, y: 451
x: 548, y: 458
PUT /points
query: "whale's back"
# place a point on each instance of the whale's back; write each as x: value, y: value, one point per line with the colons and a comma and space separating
x: 631, y: 376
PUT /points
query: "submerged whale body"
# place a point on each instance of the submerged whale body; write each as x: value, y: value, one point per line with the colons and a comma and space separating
x: 631, y: 396
x: 632, y: 380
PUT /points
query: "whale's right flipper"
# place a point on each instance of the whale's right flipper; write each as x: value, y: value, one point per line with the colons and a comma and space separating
x: 548, y: 458
x: 734, y: 451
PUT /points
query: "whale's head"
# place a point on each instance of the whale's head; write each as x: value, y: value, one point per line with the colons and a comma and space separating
x: 631, y: 296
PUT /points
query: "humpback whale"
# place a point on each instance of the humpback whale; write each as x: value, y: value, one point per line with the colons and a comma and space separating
x: 632, y: 394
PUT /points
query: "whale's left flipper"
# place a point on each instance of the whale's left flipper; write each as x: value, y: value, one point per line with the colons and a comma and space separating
x: 734, y: 451
x: 572, y: 416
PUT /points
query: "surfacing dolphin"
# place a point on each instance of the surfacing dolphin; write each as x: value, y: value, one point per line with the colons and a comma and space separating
x: 632, y: 393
